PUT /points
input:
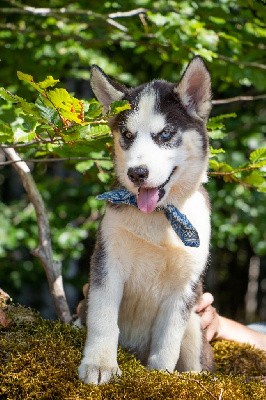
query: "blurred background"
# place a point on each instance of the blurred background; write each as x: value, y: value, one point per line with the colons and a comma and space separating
x: 135, y: 41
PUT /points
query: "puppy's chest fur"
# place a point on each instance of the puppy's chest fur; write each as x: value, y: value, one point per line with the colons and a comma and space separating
x: 145, y: 248
x: 155, y: 266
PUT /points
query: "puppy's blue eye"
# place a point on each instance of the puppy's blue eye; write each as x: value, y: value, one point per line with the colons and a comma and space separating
x: 164, y: 135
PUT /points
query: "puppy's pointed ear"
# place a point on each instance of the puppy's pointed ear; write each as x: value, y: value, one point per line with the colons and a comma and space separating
x: 104, y: 88
x: 194, y: 89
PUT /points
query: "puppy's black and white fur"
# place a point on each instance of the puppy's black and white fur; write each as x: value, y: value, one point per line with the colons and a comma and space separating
x: 144, y: 281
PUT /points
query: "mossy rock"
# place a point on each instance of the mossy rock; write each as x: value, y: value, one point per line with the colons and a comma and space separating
x: 39, y: 360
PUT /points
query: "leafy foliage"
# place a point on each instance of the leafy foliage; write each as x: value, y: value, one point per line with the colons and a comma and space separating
x: 55, y: 115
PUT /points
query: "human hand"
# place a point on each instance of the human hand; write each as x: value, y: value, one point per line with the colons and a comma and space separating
x: 210, y: 319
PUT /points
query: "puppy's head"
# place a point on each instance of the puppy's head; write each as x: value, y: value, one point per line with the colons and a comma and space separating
x: 161, y: 143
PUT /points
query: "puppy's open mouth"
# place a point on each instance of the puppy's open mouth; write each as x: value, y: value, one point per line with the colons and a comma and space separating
x: 148, y: 198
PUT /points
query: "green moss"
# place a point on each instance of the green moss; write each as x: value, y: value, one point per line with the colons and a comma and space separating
x: 233, y: 358
x: 39, y: 360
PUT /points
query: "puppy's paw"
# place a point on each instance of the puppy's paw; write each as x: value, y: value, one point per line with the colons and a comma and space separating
x: 161, y: 364
x: 96, y: 374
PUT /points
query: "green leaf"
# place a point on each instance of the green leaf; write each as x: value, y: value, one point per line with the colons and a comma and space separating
x: 262, y: 188
x: 69, y: 107
x: 30, y: 123
x: 89, y: 132
x: 84, y: 166
x: 214, y: 152
x: 6, y: 95
x: 71, y: 116
x: 220, y: 166
x: 259, y: 164
x: 6, y: 133
x: 258, y: 155
x: 99, y: 130
x: 62, y: 99
x: 103, y: 177
x: 82, y: 148
x: 50, y: 114
x: 107, y: 164
x: 216, y: 126
x: 118, y: 106
x: 205, y: 53
x: 216, y: 134
x: 28, y: 108
x: 219, y: 118
x: 93, y: 109
x: 255, y: 178
x: 29, y: 79
x: 48, y: 82
x: 25, y: 77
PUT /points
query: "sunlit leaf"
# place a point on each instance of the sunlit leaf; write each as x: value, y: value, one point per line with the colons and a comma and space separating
x: 84, y: 166
x: 60, y: 98
x: 70, y: 116
x: 25, y: 77
x: 48, y: 82
x: 28, y: 79
x: 215, y: 152
x: 258, y: 155
x: 103, y: 177
x: 119, y: 106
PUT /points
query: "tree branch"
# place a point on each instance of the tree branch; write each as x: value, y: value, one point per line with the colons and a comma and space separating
x: 126, y: 14
x: 238, y: 98
x: 44, y: 252
x: 52, y: 160
x: 233, y: 172
x: 55, y: 12
x: 242, y: 63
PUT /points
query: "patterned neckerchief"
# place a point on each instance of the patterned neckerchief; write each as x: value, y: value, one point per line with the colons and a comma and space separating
x: 179, y: 222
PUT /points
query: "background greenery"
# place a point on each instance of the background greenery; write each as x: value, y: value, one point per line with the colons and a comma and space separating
x: 63, y: 38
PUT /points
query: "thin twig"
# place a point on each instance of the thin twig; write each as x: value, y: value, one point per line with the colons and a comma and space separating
x: 222, y: 173
x: 52, y: 160
x: 242, y: 63
x: 55, y: 12
x: 44, y: 251
x: 126, y: 14
x: 18, y: 145
x: 238, y: 98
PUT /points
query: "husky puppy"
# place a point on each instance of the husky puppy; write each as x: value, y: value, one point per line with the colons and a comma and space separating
x: 145, y: 278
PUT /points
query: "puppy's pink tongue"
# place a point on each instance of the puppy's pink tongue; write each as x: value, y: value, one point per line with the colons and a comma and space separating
x: 147, y: 199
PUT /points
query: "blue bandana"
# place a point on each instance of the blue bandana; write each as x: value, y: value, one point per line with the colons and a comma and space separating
x: 179, y: 222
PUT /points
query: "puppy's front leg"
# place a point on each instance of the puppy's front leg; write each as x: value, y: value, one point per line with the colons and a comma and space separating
x: 99, y: 362
x: 167, y: 334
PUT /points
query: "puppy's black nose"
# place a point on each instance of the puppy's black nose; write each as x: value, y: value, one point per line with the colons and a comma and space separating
x: 138, y: 175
